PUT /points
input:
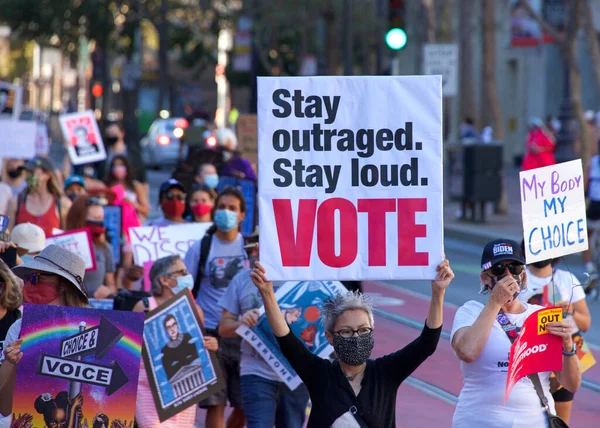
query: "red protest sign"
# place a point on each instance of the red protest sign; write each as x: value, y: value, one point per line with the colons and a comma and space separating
x: 534, y: 350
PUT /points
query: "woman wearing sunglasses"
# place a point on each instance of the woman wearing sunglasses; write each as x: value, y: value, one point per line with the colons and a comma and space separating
x: 481, y: 337
x: 53, y: 277
x: 171, y: 199
x: 354, y: 391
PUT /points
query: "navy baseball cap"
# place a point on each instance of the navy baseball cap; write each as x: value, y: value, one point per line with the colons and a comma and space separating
x: 500, y: 250
x: 169, y: 184
x: 39, y: 162
x: 75, y: 179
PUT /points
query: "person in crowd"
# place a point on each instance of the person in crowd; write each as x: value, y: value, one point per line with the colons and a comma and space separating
x: 75, y: 186
x: 207, y: 175
x: 5, y: 196
x: 235, y: 165
x: 549, y: 286
x: 202, y: 202
x: 481, y: 338
x: 114, y: 139
x: 171, y: 198
x: 13, y: 174
x: 553, y: 125
x: 42, y: 202
x: 212, y: 272
x: 593, y: 134
x: 354, y: 390
x: 88, y: 213
x: 467, y: 130
x: 11, y: 298
x: 539, y: 151
x: 266, y: 401
x: 168, y: 276
x: 119, y: 173
x: 592, y: 189
x: 54, y: 277
x: 59, y: 411
x: 29, y: 239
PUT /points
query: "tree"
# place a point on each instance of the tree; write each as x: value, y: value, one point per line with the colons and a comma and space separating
x: 567, y: 43
x: 468, y: 105
x: 592, y: 39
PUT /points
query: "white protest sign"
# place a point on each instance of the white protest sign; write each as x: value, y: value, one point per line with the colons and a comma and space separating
x: 79, y: 242
x: 17, y: 139
x: 554, y: 211
x: 442, y: 59
x: 42, y: 142
x: 150, y: 243
x: 82, y: 137
x: 350, y: 179
x: 11, y: 101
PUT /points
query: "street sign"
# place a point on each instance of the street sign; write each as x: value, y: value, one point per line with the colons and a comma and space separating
x: 112, y: 377
x: 98, y: 340
x: 442, y: 59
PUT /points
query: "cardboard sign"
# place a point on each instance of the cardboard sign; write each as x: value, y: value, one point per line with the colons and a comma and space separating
x: 11, y: 101
x: 114, y: 229
x: 299, y: 303
x: 77, y: 241
x: 247, y: 133
x: 68, y: 350
x: 150, y: 243
x: 82, y: 136
x: 248, y: 189
x: 18, y: 139
x: 180, y: 370
x: 350, y: 179
x: 554, y: 211
x: 534, y: 350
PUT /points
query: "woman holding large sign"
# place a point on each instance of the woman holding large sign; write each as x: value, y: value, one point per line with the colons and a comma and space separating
x: 482, y: 336
x: 354, y: 391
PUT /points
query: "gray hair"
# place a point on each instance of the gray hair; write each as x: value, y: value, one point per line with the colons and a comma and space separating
x: 224, y: 135
x: 334, y: 307
x: 160, y: 267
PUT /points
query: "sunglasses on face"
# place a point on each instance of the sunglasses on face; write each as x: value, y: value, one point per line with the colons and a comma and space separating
x: 170, y: 197
x: 513, y: 268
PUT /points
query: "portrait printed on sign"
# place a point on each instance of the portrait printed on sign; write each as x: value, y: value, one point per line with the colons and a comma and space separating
x: 299, y: 303
x: 10, y: 101
x: 78, y: 365
x: 83, y: 137
x: 180, y: 370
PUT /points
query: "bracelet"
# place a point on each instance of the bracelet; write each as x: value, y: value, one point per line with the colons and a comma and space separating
x: 572, y: 353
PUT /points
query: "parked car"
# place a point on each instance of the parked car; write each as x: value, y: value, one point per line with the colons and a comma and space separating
x: 161, y: 146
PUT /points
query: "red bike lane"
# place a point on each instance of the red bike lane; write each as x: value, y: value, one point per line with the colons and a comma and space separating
x: 442, y: 369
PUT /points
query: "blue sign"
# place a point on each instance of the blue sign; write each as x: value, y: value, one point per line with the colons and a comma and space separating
x: 114, y: 228
x: 3, y: 223
x: 248, y: 189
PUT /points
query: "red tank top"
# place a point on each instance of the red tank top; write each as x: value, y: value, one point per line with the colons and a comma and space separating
x: 47, y: 221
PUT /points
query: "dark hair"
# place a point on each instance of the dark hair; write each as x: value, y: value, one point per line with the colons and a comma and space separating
x: 469, y: 120
x: 109, y: 179
x: 203, y: 188
x: 169, y: 317
x: 103, y: 418
x: 46, y: 405
x: 228, y: 191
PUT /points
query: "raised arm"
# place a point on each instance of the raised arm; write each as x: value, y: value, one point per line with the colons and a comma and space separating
x: 438, y: 290
x: 265, y: 288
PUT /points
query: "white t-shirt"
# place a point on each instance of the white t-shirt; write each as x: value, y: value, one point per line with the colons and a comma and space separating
x: 565, y: 283
x: 481, y: 400
x: 13, y: 334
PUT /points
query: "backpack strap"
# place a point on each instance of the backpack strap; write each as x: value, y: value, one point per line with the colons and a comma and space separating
x: 204, y: 250
x: 21, y: 199
x: 57, y: 202
x: 146, y: 304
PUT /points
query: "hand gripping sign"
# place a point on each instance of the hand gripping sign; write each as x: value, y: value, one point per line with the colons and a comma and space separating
x: 534, y: 350
x: 350, y: 177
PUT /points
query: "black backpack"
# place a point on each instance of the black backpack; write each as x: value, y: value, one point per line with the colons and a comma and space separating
x: 204, y: 250
x: 125, y: 300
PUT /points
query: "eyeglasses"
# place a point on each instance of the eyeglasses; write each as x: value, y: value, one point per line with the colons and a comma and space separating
x: 181, y: 272
x: 171, y: 326
x: 348, y: 332
x: 35, y: 278
x: 513, y: 268
x: 171, y: 196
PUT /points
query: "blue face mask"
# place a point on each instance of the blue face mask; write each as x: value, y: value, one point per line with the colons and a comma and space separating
x: 212, y: 181
x: 226, y: 220
x: 184, y: 282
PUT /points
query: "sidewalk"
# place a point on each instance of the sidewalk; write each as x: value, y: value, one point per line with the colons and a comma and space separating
x: 508, y: 226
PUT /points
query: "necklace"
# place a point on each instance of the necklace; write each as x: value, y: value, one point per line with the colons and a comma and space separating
x: 352, y: 377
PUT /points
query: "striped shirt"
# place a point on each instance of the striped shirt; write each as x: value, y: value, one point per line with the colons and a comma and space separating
x: 145, y: 411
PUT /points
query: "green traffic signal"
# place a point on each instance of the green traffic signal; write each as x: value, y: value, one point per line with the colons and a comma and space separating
x: 396, y: 39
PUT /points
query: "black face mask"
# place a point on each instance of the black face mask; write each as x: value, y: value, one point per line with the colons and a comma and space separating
x: 14, y: 173
x: 542, y: 264
x: 110, y: 140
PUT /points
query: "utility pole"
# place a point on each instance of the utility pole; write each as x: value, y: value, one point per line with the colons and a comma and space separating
x: 163, y: 82
x: 348, y: 38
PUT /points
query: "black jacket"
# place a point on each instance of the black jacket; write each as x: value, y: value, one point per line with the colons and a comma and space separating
x: 331, y: 394
x: 175, y: 358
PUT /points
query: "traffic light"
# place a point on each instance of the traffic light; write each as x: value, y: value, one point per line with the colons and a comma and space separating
x: 395, y: 37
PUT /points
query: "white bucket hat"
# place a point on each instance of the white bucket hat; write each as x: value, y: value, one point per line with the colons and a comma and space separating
x: 29, y: 237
